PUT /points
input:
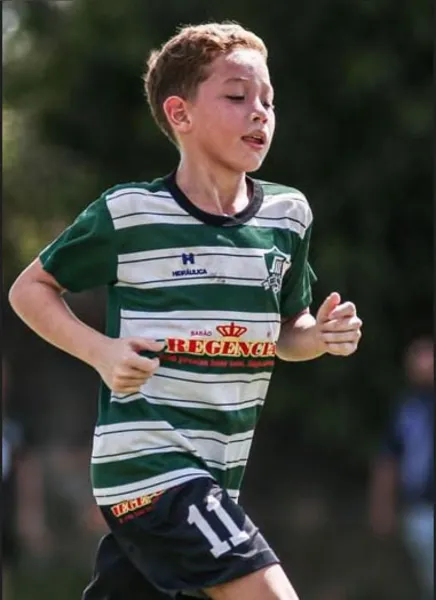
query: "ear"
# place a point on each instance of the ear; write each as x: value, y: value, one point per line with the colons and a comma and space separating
x: 177, y: 113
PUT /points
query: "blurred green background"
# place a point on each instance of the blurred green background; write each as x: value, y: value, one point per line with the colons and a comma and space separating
x: 354, y: 120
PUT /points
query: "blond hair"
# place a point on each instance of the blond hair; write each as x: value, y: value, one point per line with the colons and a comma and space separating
x: 181, y: 64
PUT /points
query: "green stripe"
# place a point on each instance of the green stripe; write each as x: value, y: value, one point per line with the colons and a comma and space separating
x: 124, y: 472
x: 169, y: 237
x: 225, y: 422
x: 136, y: 469
x: 230, y: 479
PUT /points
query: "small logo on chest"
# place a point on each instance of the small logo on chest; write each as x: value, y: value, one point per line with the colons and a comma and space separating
x: 188, y: 258
x: 277, y: 263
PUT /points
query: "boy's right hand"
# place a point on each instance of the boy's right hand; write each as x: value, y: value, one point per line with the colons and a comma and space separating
x: 121, y: 367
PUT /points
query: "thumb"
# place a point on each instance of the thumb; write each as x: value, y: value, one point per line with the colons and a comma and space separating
x: 330, y: 303
x: 139, y: 343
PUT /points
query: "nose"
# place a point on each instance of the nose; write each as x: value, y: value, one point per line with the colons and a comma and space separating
x: 260, y: 113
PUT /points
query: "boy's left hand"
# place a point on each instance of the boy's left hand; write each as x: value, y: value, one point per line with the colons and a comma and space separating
x: 338, y: 326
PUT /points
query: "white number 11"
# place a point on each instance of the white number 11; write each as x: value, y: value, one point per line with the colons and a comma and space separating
x: 237, y: 536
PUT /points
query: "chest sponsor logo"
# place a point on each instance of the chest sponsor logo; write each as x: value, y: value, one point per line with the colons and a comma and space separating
x: 188, y: 262
x: 228, y: 345
x: 277, y: 263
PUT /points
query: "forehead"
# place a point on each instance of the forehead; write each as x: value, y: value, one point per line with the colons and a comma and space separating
x: 240, y: 64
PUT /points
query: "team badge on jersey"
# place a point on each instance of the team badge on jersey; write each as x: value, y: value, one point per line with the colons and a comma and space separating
x: 277, y: 263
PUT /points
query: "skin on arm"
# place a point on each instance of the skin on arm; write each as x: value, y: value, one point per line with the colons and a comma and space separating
x: 382, y: 498
x: 36, y: 297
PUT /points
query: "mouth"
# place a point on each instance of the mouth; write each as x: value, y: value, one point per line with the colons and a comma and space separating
x: 256, y: 140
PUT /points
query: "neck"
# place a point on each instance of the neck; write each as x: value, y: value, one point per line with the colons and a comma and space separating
x: 213, y: 190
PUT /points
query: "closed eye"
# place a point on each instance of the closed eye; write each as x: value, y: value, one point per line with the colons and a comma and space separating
x: 236, y: 98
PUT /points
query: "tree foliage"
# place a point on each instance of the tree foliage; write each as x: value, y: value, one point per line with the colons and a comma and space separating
x: 352, y: 82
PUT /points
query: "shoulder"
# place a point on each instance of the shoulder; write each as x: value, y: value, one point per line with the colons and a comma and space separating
x: 285, y: 202
x: 145, y: 188
x: 128, y: 197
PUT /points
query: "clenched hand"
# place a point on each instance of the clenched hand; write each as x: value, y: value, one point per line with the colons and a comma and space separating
x: 338, y: 326
x: 121, y: 367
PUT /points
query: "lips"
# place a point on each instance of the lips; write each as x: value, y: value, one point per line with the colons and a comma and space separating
x: 255, y: 139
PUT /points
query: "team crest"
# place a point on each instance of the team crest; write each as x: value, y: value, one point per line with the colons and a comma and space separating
x: 277, y: 263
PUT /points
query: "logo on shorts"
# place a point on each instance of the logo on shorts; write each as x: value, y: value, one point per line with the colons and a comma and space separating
x: 128, y: 506
x: 277, y: 263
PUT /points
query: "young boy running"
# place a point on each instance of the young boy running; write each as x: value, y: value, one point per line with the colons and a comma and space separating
x: 208, y: 279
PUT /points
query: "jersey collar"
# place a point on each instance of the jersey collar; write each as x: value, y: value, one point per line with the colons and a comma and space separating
x: 211, y: 219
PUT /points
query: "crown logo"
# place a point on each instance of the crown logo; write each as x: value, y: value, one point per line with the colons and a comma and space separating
x: 231, y: 331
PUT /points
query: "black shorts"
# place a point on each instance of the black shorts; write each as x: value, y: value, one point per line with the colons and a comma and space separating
x: 178, y: 542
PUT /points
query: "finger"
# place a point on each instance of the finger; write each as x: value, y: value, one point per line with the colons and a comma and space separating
x: 345, y: 324
x: 141, y: 363
x: 135, y: 378
x: 341, y: 349
x: 139, y: 343
x: 329, y: 304
x: 342, y: 337
x: 347, y: 309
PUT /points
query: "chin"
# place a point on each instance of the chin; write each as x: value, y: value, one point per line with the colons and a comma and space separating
x: 248, y: 165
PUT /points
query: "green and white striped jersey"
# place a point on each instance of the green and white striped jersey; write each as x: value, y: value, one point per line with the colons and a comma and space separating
x: 215, y: 288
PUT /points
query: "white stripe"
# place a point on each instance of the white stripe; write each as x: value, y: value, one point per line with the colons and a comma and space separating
x: 208, y: 445
x: 172, y: 385
x: 197, y: 404
x: 288, y: 205
x: 198, y: 324
x: 211, y: 378
x: 234, y: 494
x: 132, y: 206
x: 217, y: 450
x: 206, y: 394
x: 155, y: 218
x: 209, y: 267
x: 134, y: 190
x: 187, y: 403
x: 101, y: 430
x: 96, y: 460
x: 135, y: 441
x: 115, y: 494
x: 161, y: 330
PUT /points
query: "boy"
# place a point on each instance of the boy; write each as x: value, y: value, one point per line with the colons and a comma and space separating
x: 207, y: 273
x: 402, y: 481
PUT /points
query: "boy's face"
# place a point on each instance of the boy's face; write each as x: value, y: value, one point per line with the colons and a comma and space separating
x: 232, y: 116
x: 420, y: 365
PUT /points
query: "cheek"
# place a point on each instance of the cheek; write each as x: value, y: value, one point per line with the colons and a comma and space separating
x: 220, y: 122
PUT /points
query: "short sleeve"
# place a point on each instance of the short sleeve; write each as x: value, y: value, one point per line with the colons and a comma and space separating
x: 84, y: 256
x: 296, y: 292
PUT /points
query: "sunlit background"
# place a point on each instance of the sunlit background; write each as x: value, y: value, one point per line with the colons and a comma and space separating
x: 353, y: 97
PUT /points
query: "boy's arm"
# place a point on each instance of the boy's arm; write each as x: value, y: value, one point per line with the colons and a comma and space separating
x: 334, y: 330
x: 36, y: 297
